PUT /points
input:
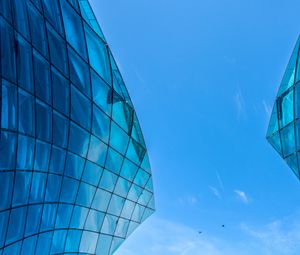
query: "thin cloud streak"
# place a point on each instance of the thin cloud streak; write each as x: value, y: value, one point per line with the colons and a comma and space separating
x: 242, y: 196
x: 215, y: 192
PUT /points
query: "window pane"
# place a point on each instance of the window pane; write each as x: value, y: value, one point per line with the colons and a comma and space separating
x: 60, y: 130
x: 9, y: 106
x: 92, y: 173
x: 43, y: 121
x: 26, y: 113
x: 101, y: 124
x: 97, y: 151
x: 42, y: 156
x: 25, y: 153
x: 51, y: 9
x: 16, y: 225
x: 79, y: 140
x: 6, y: 187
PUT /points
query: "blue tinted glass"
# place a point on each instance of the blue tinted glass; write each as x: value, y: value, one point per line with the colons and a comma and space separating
x: 16, y: 225
x: 60, y: 87
x: 88, y: 242
x: 58, y: 241
x: 37, y: 29
x: 79, y: 72
x: 6, y: 189
x: 79, y: 217
x: 74, y: 166
x: 42, y: 77
x: 21, y: 188
x: 73, y: 28
x: 58, y: 55
x: 81, y: 108
x: 109, y: 224
x: 108, y: 181
x: 73, y: 241
x: 5, y: 9
x: 64, y: 214
x: 48, y: 217
x: 104, y: 244
x: 116, y: 205
x: 98, y: 54
x: 69, y: 190
x: 4, y: 216
x: 114, y: 161
x: 94, y: 221
x: 42, y: 156
x: 34, y: 214
x: 288, y: 140
x: 7, y: 151
x: 53, y: 188
x: 7, y: 50
x: 21, y: 23
x: 24, y: 64
x: 97, y: 151
x: 287, y: 108
x: 25, y: 153
x: 12, y: 249
x: 60, y: 130
x: 79, y: 140
x: 52, y: 12
x: 85, y: 194
x: 101, y: 200
x: 44, y: 242
x: 28, y: 246
x: 38, y: 187
x: 9, y: 106
x: 118, y: 139
x: 43, y: 121
x: 92, y: 173
x: 128, y: 170
x: 26, y: 113
x: 57, y: 161
x: 101, y: 124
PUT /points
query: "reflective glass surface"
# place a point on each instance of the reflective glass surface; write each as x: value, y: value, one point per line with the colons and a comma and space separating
x: 75, y: 176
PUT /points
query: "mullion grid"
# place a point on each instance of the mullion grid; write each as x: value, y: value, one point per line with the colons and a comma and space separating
x: 90, y: 131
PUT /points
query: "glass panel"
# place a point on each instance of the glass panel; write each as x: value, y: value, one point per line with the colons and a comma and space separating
x: 101, y: 200
x: 58, y: 50
x: 58, y: 241
x: 79, y: 140
x: 48, y: 218
x: 53, y: 188
x: 21, y: 188
x: 97, y: 151
x: 116, y: 205
x: 114, y: 161
x: 122, y: 187
x: 128, y: 209
x: 128, y: 170
x: 6, y: 187
x: 42, y: 78
x: 79, y: 217
x: 9, y: 106
x: 88, y: 242
x: 109, y: 224
x: 38, y: 187
x: 92, y: 173
x: 25, y: 153
x: 16, y: 224
x: 288, y: 140
x: 24, y: 64
x: 108, y: 181
x: 98, y: 54
x: 94, y: 221
x: 286, y: 114
x: 60, y: 130
x: 21, y: 23
x: 43, y: 121
x: 85, y: 194
x: 5, y: 9
x: 104, y: 244
x: 69, y: 190
x: 28, y: 246
x: 60, y: 87
x: 37, y: 29
x: 3, y: 226
x: 73, y: 28
x: 118, y: 139
x: 81, y: 108
x: 64, y: 214
x: 44, y: 242
x: 7, y: 49
x: 26, y: 113
x: 34, y: 214
x: 101, y: 124
x: 57, y: 162
x: 42, y: 156
x: 74, y: 166
x: 73, y: 241
x: 52, y: 13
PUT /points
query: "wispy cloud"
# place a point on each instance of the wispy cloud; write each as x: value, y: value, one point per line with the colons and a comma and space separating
x: 188, y: 200
x: 241, y: 195
x: 220, y: 181
x: 215, y: 191
x: 240, y: 104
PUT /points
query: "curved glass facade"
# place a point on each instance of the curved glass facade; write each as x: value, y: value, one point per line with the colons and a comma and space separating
x: 284, y: 127
x: 74, y: 171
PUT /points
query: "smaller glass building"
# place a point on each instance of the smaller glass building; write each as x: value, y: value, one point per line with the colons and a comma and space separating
x: 284, y: 127
x: 75, y: 176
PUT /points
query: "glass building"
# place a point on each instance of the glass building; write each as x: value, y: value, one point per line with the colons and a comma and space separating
x: 284, y: 127
x: 74, y: 171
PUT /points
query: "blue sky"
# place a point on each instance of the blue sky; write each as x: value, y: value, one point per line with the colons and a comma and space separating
x: 203, y: 76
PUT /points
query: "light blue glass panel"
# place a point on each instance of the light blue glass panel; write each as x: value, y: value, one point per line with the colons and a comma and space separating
x: 12, y: 249
x: 109, y: 224
x: 287, y: 108
x: 63, y: 217
x: 141, y: 178
x: 128, y: 209
x: 80, y: 108
x: 26, y: 113
x: 58, y: 241
x: 132, y: 226
x: 102, y: 93
x: 92, y: 173
x: 9, y: 106
x: 43, y: 121
x: 34, y: 215
x: 101, y: 200
x: 88, y: 242
x: 79, y: 217
x: 273, y: 124
x: 116, y: 244
x: 122, y: 228
x: 108, y: 180
x: 61, y: 93
x: 101, y: 124
x: 6, y: 187
x: 57, y: 161
x: 123, y: 115
x: 73, y: 241
x: 38, y: 187
x: 98, y: 54
x: 134, y: 192
x: 16, y: 224
x: 79, y: 140
x: 135, y: 152
x: 25, y: 153
x: 21, y: 188
x: 138, y: 213
x: 58, y: 55
x: 7, y: 50
x: 116, y: 205
x: 292, y: 161
x: 85, y: 194
x: 48, y: 218
x: 53, y: 188
x: 122, y: 187
x: 42, y: 156
x: 94, y: 221
x: 145, y: 198
x: 104, y: 244
x: 129, y: 170
x: 60, y: 130
x: 69, y: 190
x: 42, y: 77
x: 114, y: 161
x: 73, y: 28
x: 97, y: 151
x: 44, y: 242
x: 52, y: 12
x: 118, y: 139
x: 288, y: 140
x: 74, y: 166
x: 24, y: 64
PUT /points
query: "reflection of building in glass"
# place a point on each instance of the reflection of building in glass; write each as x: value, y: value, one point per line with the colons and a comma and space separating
x: 74, y: 170
x: 284, y: 127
